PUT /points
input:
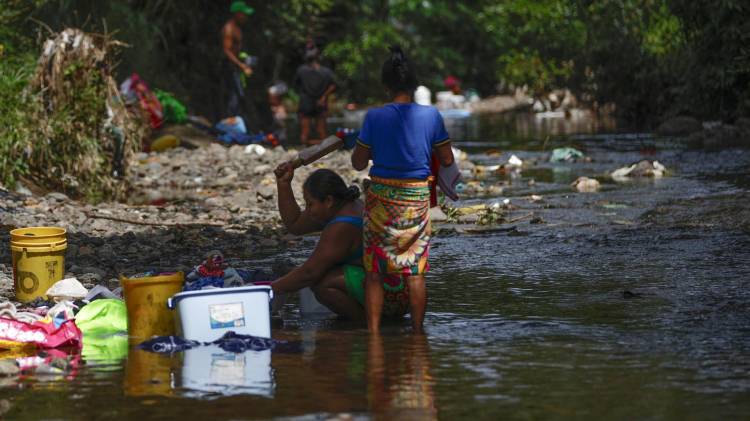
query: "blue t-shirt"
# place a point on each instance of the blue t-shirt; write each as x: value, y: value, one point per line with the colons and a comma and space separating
x: 400, y: 138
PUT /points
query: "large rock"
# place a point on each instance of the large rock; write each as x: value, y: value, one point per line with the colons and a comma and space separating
x: 719, y: 136
x: 641, y: 169
x: 437, y: 215
x: 9, y: 367
x: 586, y: 185
x: 679, y: 126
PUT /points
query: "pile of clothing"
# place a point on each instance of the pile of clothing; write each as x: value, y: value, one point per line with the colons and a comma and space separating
x: 213, y: 272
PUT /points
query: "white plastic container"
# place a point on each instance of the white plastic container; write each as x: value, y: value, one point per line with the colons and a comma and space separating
x: 209, y: 369
x: 310, y: 306
x: 208, y: 314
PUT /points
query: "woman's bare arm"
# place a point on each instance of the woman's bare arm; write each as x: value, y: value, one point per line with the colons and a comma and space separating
x: 360, y: 157
x: 294, y: 219
x: 329, y: 252
x: 444, y: 154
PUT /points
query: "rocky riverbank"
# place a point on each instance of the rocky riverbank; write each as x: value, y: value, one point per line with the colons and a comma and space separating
x: 183, y: 204
x: 186, y: 202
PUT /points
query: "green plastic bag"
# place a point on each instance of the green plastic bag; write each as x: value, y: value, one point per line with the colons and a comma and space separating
x: 103, y: 317
x: 174, y: 111
x: 565, y: 154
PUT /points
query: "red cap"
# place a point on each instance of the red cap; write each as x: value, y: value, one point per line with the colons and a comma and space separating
x: 451, y: 81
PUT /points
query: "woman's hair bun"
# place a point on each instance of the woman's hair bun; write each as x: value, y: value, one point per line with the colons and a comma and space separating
x: 397, y: 73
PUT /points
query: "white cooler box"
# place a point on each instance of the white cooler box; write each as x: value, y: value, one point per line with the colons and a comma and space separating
x: 206, y: 315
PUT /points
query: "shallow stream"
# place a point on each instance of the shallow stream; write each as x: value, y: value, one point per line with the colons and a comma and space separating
x: 629, y: 303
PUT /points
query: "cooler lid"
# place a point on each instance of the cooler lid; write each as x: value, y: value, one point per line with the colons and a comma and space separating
x: 172, y: 301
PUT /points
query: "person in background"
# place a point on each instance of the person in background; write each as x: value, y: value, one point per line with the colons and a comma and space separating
x: 453, y: 84
x: 314, y: 83
x: 453, y: 98
x: 232, y: 66
x: 400, y: 138
x: 276, y: 94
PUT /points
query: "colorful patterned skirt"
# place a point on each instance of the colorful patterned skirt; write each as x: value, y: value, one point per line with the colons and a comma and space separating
x: 395, y: 291
x: 397, y: 227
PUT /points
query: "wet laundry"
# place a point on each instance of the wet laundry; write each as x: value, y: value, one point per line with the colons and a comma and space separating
x: 167, y: 344
x: 8, y: 310
x: 230, y: 342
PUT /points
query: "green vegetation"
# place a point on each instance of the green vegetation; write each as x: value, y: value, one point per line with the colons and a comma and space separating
x: 651, y: 58
x: 59, y: 124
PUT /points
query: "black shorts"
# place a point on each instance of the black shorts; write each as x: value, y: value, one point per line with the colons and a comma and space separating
x: 309, y: 107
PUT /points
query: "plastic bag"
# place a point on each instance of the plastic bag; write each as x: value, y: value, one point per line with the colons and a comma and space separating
x: 103, y: 317
x: 41, y: 334
x: 565, y: 154
x: 67, y: 289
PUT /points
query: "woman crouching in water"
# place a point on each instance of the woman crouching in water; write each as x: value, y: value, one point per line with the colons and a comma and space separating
x: 334, y: 270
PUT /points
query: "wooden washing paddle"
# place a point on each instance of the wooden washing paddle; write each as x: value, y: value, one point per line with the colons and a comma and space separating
x: 315, y: 152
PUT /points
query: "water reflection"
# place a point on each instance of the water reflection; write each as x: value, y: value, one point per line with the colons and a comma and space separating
x: 147, y: 373
x: 202, y: 372
x: 105, y: 352
x: 47, y: 368
x: 211, y: 370
x: 399, y: 383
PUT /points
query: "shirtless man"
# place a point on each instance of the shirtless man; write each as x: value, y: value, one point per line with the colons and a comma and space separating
x: 231, y: 35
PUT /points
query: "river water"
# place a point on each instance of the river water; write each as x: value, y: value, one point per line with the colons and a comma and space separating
x: 629, y: 303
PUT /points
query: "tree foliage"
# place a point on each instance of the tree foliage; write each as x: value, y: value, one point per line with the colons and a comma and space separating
x: 652, y: 58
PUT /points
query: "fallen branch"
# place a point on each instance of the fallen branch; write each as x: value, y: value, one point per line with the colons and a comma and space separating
x: 166, y: 224
x: 520, y: 218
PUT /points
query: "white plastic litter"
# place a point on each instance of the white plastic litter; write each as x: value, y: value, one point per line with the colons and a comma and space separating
x: 622, y: 173
x: 515, y: 161
x: 458, y: 154
x: 100, y: 291
x: 642, y: 169
x: 423, y: 96
x: 67, y: 289
x: 255, y: 149
x: 309, y: 305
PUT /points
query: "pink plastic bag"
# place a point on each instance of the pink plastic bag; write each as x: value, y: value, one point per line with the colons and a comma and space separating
x: 40, y: 334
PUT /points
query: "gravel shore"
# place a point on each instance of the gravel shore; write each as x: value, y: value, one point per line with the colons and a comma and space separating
x: 184, y: 203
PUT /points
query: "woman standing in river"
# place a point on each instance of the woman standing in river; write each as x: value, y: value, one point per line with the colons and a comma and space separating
x: 400, y: 138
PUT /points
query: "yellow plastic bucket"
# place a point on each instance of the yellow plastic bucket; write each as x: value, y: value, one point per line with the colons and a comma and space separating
x: 38, y: 255
x: 165, y: 142
x: 146, y: 300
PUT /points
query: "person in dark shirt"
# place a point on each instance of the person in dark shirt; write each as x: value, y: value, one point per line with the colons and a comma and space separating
x: 314, y: 83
